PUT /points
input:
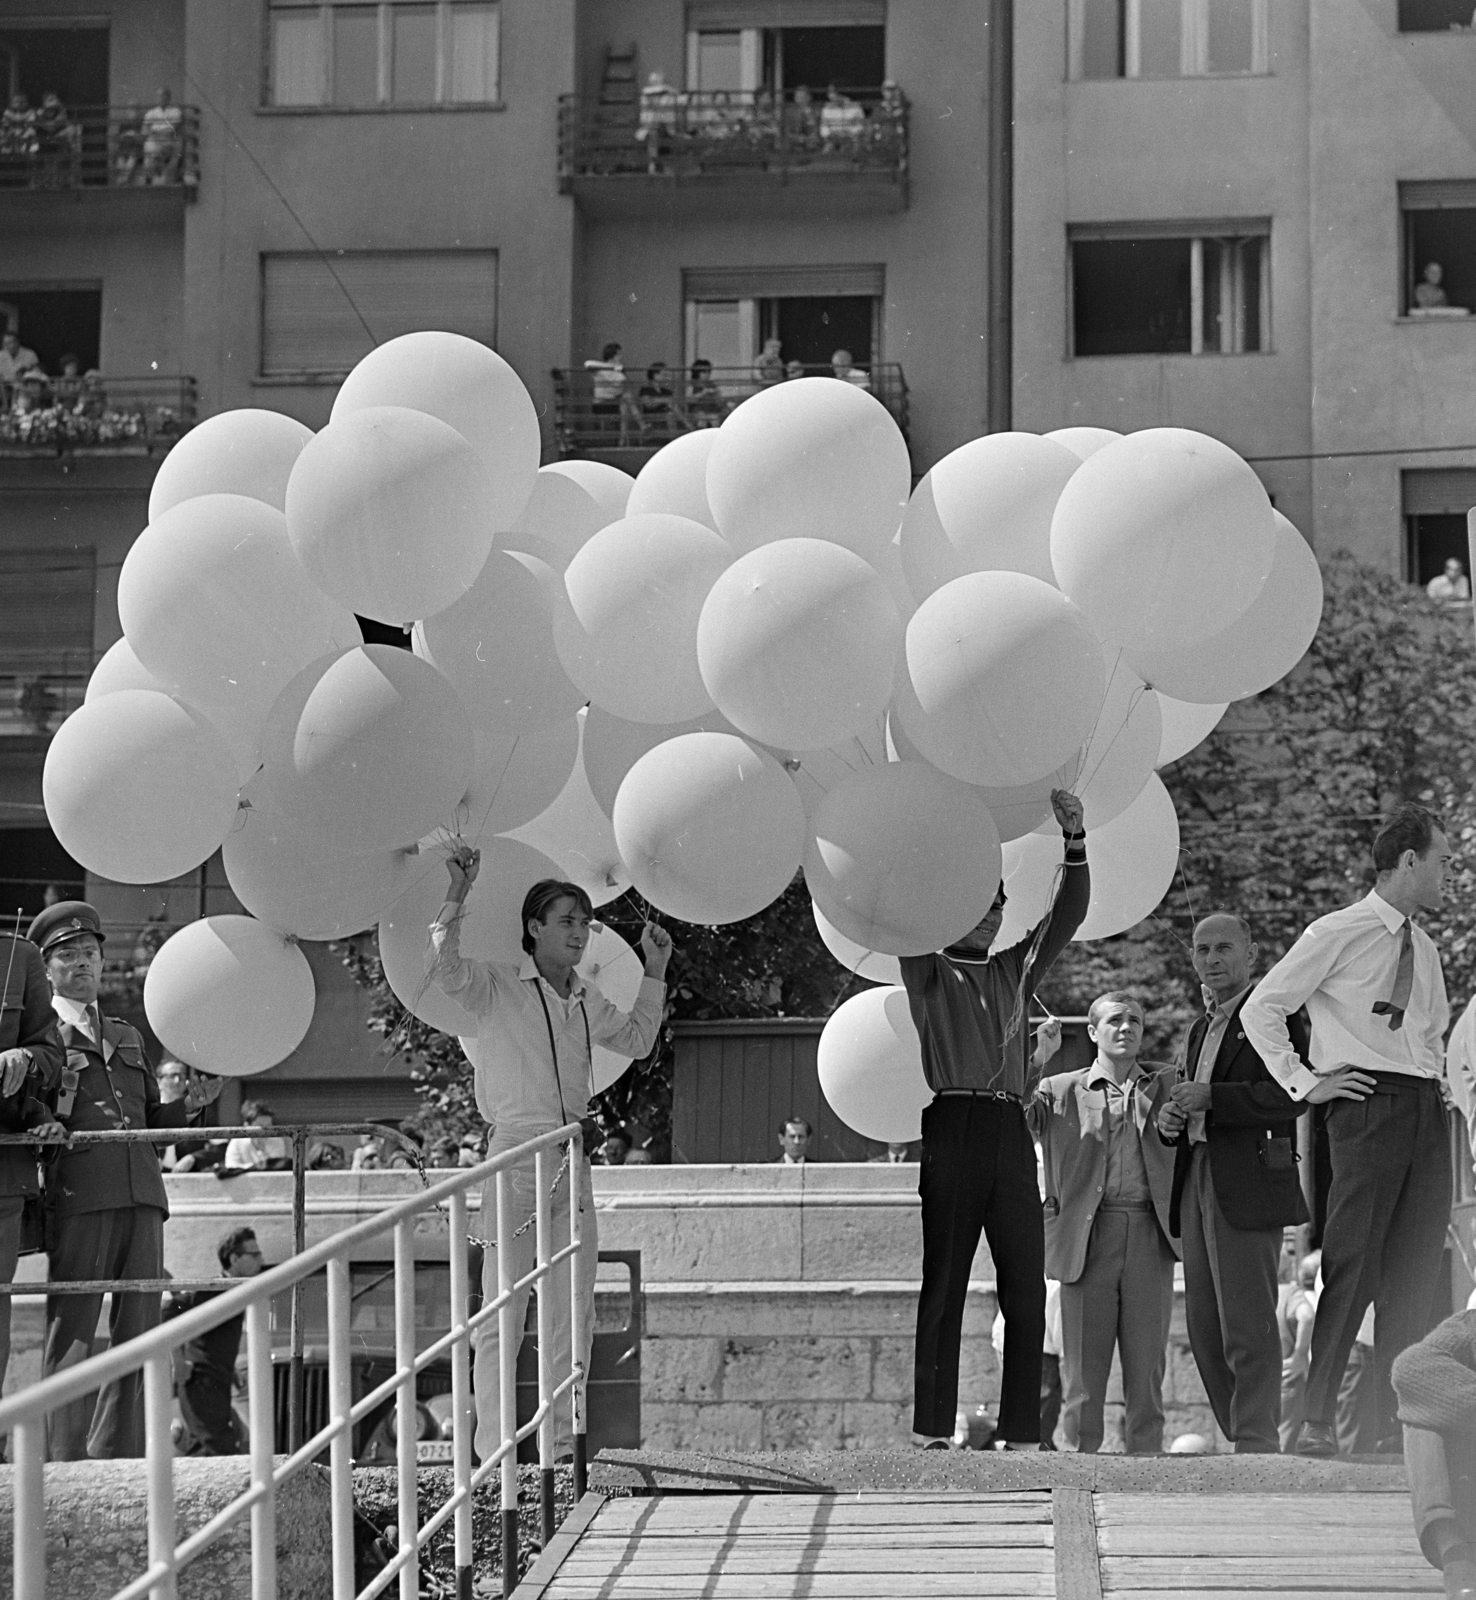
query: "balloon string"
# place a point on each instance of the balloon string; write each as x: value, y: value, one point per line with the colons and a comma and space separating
x: 1188, y: 898
x: 1022, y: 993
x: 1137, y: 695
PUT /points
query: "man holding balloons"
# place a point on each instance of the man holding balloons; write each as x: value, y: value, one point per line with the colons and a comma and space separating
x: 978, y: 1160
x: 537, y: 1025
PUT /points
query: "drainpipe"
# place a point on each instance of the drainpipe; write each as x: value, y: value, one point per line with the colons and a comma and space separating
x: 1000, y: 247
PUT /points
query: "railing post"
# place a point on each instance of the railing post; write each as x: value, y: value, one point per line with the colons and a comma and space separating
x: 28, y: 1448
x: 341, y: 1451
x: 263, y: 1449
x: 462, y: 1420
x: 299, y: 1244
x: 406, y: 1414
x: 546, y: 1379
x: 576, y: 1315
x: 159, y: 1451
x: 507, y: 1376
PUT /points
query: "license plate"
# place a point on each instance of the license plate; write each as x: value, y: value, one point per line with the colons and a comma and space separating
x: 433, y: 1450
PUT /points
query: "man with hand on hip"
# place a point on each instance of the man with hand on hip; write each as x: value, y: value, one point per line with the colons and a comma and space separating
x: 1235, y: 1191
x: 1375, y: 995
x: 537, y: 1024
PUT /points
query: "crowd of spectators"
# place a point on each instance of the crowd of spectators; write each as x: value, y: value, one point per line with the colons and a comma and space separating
x: 48, y: 146
x: 70, y: 407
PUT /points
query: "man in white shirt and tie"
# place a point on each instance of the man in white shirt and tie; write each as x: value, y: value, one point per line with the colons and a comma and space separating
x: 1375, y: 995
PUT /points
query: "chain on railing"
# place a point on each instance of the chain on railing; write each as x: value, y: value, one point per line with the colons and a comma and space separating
x: 24, y: 1415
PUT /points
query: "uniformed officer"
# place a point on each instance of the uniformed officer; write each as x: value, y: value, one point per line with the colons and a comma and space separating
x: 31, y: 1060
x: 105, y: 1203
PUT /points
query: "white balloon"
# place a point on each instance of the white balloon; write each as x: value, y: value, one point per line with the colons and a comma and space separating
x: 247, y: 452
x: 230, y: 996
x: 887, y: 559
x: 710, y: 828
x: 391, y: 512
x: 815, y: 458
x: 1258, y: 648
x: 1162, y: 538
x: 1185, y: 726
x: 608, y: 486
x: 1032, y: 867
x: 560, y: 516
x: 1132, y: 860
x: 675, y: 479
x: 612, y: 746
x: 516, y: 776
x: 798, y: 642
x: 138, y: 787
x: 471, y: 389
x: 986, y: 506
x: 491, y: 929
x: 119, y: 669
x: 903, y: 859
x: 1123, y: 749
x: 1084, y: 442
x: 870, y: 1064
x: 816, y: 772
x: 628, y: 636
x: 1018, y: 811
x: 876, y: 966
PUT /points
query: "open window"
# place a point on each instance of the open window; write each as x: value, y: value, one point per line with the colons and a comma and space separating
x: 1435, y: 16
x: 1146, y: 290
x: 781, y: 47
x: 1435, y: 503
x: 1439, y: 268
x: 1168, y: 38
x: 812, y: 311
x: 56, y: 321
x: 40, y: 59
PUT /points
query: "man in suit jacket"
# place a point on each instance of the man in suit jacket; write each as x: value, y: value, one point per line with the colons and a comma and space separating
x: 105, y: 1203
x: 1235, y: 1189
x: 1108, y: 1179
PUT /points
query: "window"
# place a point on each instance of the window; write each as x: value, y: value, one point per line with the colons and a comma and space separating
x: 1167, y: 38
x: 1154, y: 292
x: 1434, y: 16
x: 1439, y: 278
x: 312, y: 306
x: 405, y: 53
x: 812, y: 311
x: 783, y: 45
x: 1435, y: 502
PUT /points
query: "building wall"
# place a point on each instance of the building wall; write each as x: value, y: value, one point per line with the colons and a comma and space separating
x: 630, y: 271
x: 373, y: 180
x: 1385, y: 107
x: 1190, y: 149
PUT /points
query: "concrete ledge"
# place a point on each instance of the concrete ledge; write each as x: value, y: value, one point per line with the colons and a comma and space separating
x: 97, y: 1529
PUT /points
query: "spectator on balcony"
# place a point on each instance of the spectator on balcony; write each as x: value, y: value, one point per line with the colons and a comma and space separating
x: 847, y: 371
x: 1451, y: 584
x: 1429, y: 291
x: 161, y: 138
x: 15, y: 362
x: 59, y: 143
x: 794, y: 1142
x: 658, y: 118
x: 18, y: 142
x: 610, y: 390
x: 804, y: 120
x: 263, y: 1153
x: 706, y: 407
x: 66, y: 387
x: 769, y: 368
x: 842, y: 121
x: 657, y: 399
x: 613, y: 1151
x: 793, y: 369
x: 127, y: 154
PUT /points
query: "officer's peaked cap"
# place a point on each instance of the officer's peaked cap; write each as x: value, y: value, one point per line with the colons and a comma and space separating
x: 63, y: 922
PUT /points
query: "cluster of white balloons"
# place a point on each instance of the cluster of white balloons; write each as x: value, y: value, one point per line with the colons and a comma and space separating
x: 764, y: 652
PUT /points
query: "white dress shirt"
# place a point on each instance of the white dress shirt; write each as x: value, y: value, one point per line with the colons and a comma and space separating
x: 1220, y: 1018
x: 87, y: 1018
x: 1460, y: 1068
x: 515, y: 1080
x: 1340, y: 966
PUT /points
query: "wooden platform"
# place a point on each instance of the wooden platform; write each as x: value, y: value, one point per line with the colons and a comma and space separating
x: 1070, y: 1542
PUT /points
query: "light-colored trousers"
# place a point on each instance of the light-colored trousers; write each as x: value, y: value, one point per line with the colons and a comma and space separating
x: 486, y: 1342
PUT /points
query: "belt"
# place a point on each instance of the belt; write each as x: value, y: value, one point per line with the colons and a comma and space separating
x: 1126, y: 1205
x: 982, y: 1094
x: 1399, y: 1082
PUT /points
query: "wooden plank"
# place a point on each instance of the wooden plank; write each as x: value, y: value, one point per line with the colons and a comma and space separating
x: 1114, y: 1508
x: 1075, y: 1531
x: 1190, y: 1540
x: 718, y: 1510
x: 1313, y: 1571
x: 699, y: 1559
x: 857, y: 1586
x: 538, y: 1577
x: 1000, y: 1536
x: 1402, y: 1593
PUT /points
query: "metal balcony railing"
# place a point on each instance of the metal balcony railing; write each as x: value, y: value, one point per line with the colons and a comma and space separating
x: 732, y: 134
x: 660, y: 403
x: 99, y: 147
x: 39, y: 689
x: 95, y: 414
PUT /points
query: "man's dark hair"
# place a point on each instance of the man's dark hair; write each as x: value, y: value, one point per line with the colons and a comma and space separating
x: 1114, y: 997
x: 795, y: 1122
x: 542, y: 895
x: 1407, y: 827
x: 610, y: 351
x: 233, y: 1244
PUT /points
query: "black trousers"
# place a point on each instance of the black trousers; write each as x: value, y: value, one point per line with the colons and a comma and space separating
x: 1387, y: 1214
x: 978, y: 1174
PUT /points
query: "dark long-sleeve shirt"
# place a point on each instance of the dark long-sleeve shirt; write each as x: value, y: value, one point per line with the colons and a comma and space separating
x: 961, y: 1006
x: 27, y: 1022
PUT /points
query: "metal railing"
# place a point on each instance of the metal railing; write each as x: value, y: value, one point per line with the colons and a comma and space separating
x: 725, y: 134
x: 41, y: 688
x: 659, y: 403
x: 94, y: 414
x: 24, y: 1415
x: 100, y: 147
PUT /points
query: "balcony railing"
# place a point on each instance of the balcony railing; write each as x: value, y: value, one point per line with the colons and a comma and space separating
x: 93, y: 414
x: 721, y: 136
x: 658, y: 406
x: 40, y: 689
x: 100, y: 147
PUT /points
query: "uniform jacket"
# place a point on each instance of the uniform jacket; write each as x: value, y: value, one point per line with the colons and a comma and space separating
x: 27, y: 1021
x: 1250, y: 1128
x: 118, y: 1093
x: 1070, y: 1120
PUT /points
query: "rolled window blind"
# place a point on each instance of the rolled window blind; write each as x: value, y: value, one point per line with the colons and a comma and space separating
x: 1439, y: 491
x: 763, y: 283
x: 46, y: 609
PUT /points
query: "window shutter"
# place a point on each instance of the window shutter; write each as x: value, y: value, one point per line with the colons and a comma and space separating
x: 1439, y: 194
x: 309, y: 322
x: 1439, y: 491
x: 764, y: 283
x: 715, y: 15
x: 46, y: 605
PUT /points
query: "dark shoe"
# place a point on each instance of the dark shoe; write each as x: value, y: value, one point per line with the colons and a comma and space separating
x: 1460, y: 1580
x: 937, y: 1444
x: 1317, y: 1439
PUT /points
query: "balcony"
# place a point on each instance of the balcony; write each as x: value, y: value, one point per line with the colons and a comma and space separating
x: 702, y: 150
x: 40, y: 689
x: 653, y: 412
x: 94, y: 415
x: 100, y: 148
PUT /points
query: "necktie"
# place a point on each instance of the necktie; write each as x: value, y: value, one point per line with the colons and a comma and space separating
x: 1398, y: 1002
